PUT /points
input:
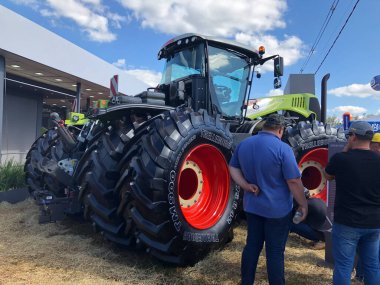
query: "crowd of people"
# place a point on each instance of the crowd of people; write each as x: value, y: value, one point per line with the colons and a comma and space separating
x: 266, y: 169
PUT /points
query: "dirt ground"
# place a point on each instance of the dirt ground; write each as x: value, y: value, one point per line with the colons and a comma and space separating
x: 69, y: 252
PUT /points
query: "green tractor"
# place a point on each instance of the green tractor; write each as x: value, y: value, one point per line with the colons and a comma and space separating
x: 76, y: 119
x: 151, y: 170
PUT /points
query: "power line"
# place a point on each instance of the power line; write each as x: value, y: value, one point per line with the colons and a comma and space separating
x: 341, y: 30
x: 320, y: 34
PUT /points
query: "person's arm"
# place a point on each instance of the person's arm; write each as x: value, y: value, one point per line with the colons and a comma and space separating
x: 331, y: 167
x: 292, y: 175
x: 296, y: 188
x: 239, y: 179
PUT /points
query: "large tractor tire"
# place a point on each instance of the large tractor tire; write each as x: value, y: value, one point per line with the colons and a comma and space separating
x: 58, y: 154
x: 310, y: 145
x: 106, y: 202
x: 40, y: 149
x: 185, y: 203
x: 55, y: 153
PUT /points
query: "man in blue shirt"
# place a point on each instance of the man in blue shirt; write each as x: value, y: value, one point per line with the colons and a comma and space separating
x: 266, y: 169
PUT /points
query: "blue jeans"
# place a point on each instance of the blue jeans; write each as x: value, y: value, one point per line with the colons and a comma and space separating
x: 359, y: 266
x: 304, y: 230
x: 275, y: 234
x: 345, y: 241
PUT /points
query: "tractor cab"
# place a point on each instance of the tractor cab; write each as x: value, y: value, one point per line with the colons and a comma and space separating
x: 211, y: 74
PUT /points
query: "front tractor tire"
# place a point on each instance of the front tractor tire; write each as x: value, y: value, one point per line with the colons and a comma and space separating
x: 185, y: 203
x: 310, y: 145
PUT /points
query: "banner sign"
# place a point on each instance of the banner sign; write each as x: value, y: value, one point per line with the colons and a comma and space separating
x: 346, y: 120
x: 375, y: 125
x: 114, y: 86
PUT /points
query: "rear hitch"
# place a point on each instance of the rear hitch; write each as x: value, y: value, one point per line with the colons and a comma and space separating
x: 54, y: 208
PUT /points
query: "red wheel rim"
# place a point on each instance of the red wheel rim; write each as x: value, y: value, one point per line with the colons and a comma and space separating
x: 203, y: 186
x: 311, y: 167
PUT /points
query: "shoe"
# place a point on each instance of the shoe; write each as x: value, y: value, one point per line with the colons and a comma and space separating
x: 318, y: 245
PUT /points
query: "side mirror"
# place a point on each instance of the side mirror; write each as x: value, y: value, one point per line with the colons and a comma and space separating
x: 277, y: 83
x: 278, y: 66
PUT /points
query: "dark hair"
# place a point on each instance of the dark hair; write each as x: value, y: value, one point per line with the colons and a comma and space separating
x: 274, y: 122
x: 272, y: 127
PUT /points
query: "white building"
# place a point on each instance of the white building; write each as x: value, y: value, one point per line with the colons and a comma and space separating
x: 42, y: 72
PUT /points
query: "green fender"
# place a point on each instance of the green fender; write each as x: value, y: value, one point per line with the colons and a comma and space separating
x: 302, y: 104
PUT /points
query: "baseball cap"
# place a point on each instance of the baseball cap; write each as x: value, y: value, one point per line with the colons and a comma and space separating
x: 376, y: 138
x: 275, y: 120
x: 361, y: 128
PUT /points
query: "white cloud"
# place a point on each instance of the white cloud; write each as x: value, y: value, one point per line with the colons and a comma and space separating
x: 275, y: 92
x: 219, y: 18
x: 25, y: 2
x: 218, y: 60
x: 48, y: 13
x: 246, y: 21
x: 117, y: 20
x: 101, y: 36
x: 120, y: 63
x: 291, y: 48
x: 91, y: 16
x: 355, y: 90
x: 150, y: 77
x: 96, y: 25
x: 355, y: 110
x: 93, y: 2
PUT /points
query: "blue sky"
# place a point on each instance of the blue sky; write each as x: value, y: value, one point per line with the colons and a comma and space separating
x: 129, y: 33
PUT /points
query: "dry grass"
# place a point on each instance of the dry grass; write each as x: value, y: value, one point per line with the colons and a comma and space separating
x: 69, y: 253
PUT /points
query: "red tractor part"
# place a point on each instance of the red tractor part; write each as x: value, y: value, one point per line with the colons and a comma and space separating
x: 311, y: 166
x: 203, y: 186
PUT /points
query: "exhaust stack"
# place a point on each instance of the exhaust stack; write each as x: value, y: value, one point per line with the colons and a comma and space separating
x: 324, y: 97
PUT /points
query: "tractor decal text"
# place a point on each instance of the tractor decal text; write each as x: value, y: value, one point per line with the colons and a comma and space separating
x: 316, y: 143
x: 234, y: 207
x: 216, y: 139
x: 172, y: 209
x: 200, y: 237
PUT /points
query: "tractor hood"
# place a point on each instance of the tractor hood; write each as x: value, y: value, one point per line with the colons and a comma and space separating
x: 304, y: 104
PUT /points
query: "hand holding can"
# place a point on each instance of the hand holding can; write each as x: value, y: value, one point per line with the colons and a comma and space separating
x: 297, y: 217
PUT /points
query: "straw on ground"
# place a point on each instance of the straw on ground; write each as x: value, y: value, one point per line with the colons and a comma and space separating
x: 69, y: 253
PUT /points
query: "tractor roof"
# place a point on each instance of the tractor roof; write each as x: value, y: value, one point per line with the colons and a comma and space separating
x: 182, y: 41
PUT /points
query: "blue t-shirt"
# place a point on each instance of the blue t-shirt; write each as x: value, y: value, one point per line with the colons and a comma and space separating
x: 267, y: 162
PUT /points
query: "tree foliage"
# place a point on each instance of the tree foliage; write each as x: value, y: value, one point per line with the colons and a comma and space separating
x: 333, y: 120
